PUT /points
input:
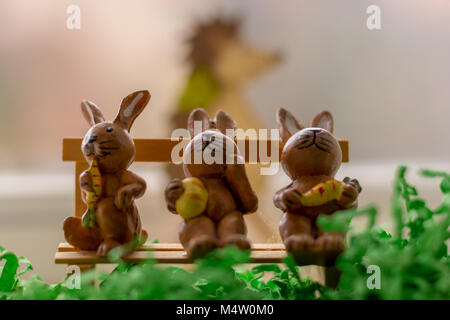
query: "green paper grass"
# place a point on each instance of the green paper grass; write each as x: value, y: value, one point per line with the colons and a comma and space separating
x: 413, y: 263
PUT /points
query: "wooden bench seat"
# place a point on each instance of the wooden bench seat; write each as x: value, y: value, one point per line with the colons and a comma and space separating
x: 169, y: 253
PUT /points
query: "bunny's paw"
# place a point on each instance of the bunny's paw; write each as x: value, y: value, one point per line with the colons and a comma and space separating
x: 80, y: 237
x: 238, y: 240
x: 330, y: 243
x: 173, y: 192
x: 288, y: 200
x: 201, y: 246
x: 354, y: 183
x: 299, y: 242
x: 106, y: 246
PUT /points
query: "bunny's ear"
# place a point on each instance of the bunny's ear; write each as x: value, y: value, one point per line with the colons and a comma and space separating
x: 198, y: 115
x: 287, y: 124
x: 324, y: 120
x: 91, y: 112
x: 224, y: 121
x: 132, y: 106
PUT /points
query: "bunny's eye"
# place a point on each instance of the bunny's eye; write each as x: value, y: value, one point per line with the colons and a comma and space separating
x: 109, y: 129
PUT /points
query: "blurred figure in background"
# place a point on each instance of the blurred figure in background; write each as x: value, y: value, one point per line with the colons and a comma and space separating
x: 222, y: 64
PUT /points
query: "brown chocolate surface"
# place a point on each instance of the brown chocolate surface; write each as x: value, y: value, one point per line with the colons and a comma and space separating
x: 110, y: 144
x: 310, y: 156
x: 230, y: 195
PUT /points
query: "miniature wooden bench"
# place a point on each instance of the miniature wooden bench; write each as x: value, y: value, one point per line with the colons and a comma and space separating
x: 154, y: 150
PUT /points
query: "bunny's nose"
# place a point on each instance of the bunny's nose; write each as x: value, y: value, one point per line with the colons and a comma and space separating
x: 92, y: 139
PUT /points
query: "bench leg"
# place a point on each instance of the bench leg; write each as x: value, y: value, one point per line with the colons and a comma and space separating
x: 86, y: 267
x: 332, y: 276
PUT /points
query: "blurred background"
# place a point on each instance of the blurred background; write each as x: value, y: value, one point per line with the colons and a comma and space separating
x: 388, y: 90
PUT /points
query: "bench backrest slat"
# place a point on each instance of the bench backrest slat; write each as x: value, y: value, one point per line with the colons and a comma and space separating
x: 150, y: 150
x: 160, y: 150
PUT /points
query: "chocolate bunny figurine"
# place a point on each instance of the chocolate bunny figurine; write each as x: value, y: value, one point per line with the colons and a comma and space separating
x: 311, y: 157
x: 229, y: 194
x: 108, y: 187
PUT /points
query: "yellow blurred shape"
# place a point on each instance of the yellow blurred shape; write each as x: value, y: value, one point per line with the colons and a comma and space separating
x: 193, y: 201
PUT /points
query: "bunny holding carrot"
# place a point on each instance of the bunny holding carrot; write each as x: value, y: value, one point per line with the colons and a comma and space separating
x: 108, y: 187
